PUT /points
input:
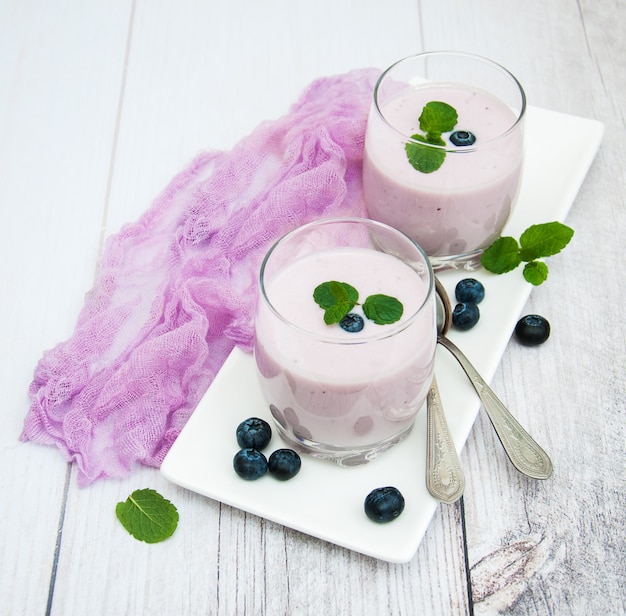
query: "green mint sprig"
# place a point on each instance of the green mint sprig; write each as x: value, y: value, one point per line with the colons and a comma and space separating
x: 337, y: 299
x: 147, y: 516
x: 436, y: 118
x: 537, y: 242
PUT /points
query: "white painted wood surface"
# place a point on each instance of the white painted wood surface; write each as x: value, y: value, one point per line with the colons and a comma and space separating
x: 101, y: 103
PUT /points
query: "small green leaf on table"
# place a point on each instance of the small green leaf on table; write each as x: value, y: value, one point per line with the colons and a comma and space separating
x: 147, y: 516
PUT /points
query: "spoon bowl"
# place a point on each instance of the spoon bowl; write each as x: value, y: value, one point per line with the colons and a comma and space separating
x: 523, y: 451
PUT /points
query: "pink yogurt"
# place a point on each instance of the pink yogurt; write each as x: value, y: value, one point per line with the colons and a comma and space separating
x: 344, y: 390
x: 463, y: 205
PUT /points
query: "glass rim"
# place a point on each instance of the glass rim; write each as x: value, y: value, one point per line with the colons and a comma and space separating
x: 461, y: 54
x: 388, y: 332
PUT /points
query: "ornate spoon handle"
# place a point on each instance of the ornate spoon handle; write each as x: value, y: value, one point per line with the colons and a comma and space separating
x: 523, y: 451
x: 444, y: 475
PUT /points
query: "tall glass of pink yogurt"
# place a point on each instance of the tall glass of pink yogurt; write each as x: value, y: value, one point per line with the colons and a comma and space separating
x: 455, y: 211
x: 345, y: 395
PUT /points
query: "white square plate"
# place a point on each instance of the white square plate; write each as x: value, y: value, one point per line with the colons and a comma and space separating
x: 325, y: 500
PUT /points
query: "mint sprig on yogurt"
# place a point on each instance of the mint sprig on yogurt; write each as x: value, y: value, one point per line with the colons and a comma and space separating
x: 537, y: 242
x: 436, y: 118
x: 338, y: 299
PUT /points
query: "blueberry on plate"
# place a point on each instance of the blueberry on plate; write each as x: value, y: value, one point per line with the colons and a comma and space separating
x: 532, y: 329
x: 284, y: 464
x: 250, y: 464
x: 254, y: 433
x: 384, y: 504
x: 465, y: 315
x: 469, y: 290
x: 462, y: 138
x: 352, y: 322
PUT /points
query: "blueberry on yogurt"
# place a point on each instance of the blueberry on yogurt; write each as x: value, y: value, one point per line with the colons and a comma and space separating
x: 462, y: 138
x: 352, y: 322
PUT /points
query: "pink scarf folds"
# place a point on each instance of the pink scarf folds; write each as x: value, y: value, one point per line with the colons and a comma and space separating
x: 177, y: 290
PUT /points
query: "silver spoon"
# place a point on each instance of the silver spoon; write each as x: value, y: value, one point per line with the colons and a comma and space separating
x: 525, y: 454
x: 444, y: 475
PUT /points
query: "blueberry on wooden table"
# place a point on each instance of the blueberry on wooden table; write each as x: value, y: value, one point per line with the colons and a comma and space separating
x: 254, y: 433
x: 532, y: 329
x: 284, y: 464
x: 384, y: 504
x: 250, y: 464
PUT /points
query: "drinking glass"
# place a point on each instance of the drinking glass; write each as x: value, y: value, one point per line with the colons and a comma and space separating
x: 454, y: 200
x: 344, y: 395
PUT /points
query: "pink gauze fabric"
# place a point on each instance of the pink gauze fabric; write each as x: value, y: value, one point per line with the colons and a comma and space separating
x: 176, y: 290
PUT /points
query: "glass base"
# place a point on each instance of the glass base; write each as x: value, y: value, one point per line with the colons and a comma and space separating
x: 469, y: 261
x: 343, y: 456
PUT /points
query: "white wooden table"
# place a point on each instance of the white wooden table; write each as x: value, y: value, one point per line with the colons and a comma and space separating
x: 101, y: 103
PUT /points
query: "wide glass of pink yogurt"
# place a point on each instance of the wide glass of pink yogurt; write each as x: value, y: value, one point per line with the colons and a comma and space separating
x: 457, y: 210
x: 336, y: 394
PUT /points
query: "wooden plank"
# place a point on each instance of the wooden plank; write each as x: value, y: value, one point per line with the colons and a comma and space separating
x: 59, y: 79
x: 557, y: 547
x: 202, y: 77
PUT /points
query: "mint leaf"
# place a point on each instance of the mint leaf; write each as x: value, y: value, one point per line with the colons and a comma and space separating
x: 147, y: 516
x: 502, y: 256
x: 536, y: 272
x: 329, y: 293
x: 423, y: 157
x: 437, y: 118
x: 336, y: 298
x: 431, y: 139
x: 335, y: 313
x: 544, y: 240
x: 382, y: 309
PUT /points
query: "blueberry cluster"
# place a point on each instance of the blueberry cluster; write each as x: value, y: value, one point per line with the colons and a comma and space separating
x: 254, y: 435
x: 469, y: 293
x: 530, y: 330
